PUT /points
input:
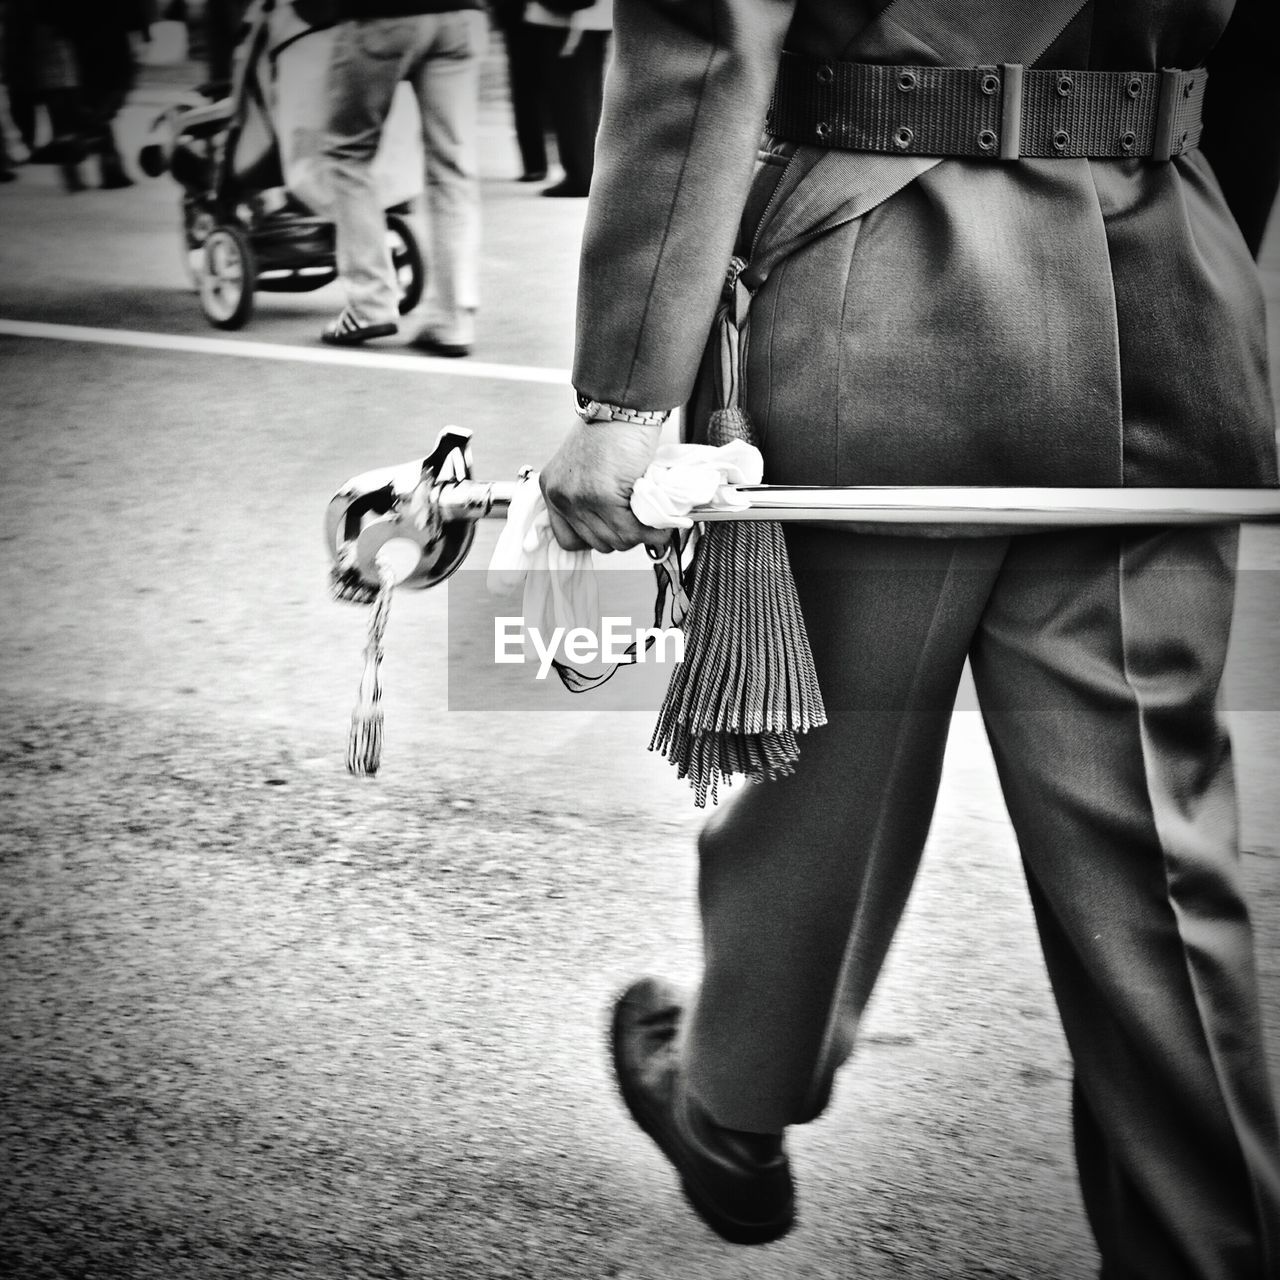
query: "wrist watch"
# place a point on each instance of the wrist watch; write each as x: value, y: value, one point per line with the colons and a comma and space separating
x: 599, y: 411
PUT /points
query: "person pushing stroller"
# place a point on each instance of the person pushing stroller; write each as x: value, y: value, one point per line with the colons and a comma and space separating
x: 256, y: 203
x: 435, y: 46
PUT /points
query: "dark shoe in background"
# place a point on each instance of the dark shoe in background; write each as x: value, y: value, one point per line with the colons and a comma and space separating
x: 430, y: 345
x: 565, y: 188
x: 111, y: 167
x: 72, y: 182
x: 113, y: 175
x: 739, y: 1183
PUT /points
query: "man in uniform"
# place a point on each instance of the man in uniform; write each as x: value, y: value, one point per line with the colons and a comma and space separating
x: 1058, y: 296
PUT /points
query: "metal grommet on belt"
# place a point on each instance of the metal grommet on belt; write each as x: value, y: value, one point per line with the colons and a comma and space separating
x: 826, y: 73
x: 989, y: 83
x: 907, y: 81
x: 1061, y: 140
x: 1188, y: 88
x: 823, y: 130
x: 1128, y: 141
x: 1065, y: 85
x: 987, y: 140
x: 1134, y: 87
x: 903, y: 137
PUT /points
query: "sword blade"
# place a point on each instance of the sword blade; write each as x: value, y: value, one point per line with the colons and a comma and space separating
x: 953, y: 507
x: 1001, y: 506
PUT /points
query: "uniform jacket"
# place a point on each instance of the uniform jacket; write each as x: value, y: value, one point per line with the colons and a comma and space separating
x: 1036, y: 322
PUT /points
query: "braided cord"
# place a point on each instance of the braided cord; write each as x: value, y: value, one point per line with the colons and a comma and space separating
x: 364, y: 742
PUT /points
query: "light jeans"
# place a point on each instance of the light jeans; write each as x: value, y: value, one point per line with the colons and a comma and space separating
x: 300, y: 110
x: 439, y: 55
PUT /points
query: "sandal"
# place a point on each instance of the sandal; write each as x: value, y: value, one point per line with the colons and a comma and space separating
x: 347, y: 331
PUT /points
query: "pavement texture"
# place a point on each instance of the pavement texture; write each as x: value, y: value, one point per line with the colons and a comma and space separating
x: 259, y: 1018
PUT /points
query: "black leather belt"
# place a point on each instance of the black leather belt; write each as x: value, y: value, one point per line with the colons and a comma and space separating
x: 997, y: 113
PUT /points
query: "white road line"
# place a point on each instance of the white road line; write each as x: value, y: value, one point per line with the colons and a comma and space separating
x: 210, y: 346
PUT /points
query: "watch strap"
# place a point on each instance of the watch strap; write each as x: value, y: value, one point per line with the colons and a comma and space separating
x: 590, y: 410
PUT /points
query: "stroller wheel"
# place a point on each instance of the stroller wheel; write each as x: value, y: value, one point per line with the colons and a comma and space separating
x: 406, y: 258
x: 196, y: 225
x: 192, y: 263
x: 227, y: 276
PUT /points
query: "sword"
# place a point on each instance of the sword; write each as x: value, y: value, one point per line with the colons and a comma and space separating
x: 417, y: 521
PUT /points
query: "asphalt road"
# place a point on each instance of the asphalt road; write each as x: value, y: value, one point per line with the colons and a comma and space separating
x: 263, y: 1019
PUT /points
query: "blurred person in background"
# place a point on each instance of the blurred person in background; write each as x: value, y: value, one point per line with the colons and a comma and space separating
x: 7, y: 173
x: 572, y: 42
x: 300, y: 44
x: 220, y: 22
x: 17, y: 70
x: 213, y: 31
x: 101, y: 35
x: 40, y: 71
x: 436, y: 46
x: 524, y: 81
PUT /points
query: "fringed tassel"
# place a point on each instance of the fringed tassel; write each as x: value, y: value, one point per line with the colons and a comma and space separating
x: 395, y: 561
x: 747, y: 687
x: 364, y: 742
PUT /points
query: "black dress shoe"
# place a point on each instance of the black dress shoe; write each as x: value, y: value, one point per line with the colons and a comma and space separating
x: 739, y: 1183
x: 565, y: 188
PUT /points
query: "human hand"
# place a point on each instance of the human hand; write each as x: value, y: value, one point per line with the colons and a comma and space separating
x: 587, y: 486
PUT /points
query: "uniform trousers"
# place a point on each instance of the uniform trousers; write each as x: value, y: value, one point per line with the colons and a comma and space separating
x: 439, y: 55
x: 1097, y: 656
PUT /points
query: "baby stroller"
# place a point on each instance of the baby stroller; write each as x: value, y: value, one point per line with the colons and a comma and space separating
x: 243, y: 230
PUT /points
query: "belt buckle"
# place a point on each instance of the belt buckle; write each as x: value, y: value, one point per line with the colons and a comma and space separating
x: 1166, y: 108
x: 1010, y: 110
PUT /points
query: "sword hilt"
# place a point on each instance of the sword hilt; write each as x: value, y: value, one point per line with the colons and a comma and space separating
x: 431, y: 504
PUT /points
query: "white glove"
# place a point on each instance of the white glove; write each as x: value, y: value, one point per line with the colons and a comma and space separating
x: 560, y: 587
x: 684, y: 476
